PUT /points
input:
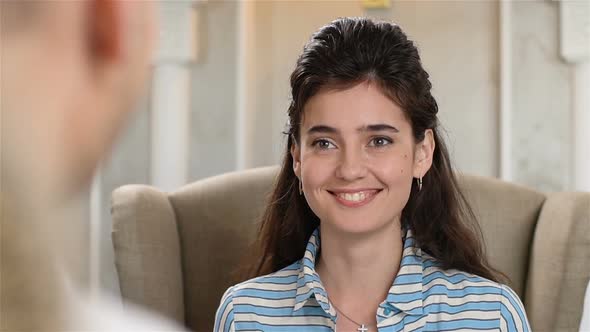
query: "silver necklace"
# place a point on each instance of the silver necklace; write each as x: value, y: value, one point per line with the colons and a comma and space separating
x: 361, y: 328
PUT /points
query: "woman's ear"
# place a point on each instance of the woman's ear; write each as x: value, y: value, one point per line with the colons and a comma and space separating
x: 423, y: 154
x: 296, y: 155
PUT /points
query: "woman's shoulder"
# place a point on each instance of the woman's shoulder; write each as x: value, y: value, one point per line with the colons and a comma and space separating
x: 435, y: 273
x: 471, y: 293
x: 256, y: 295
x: 458, y: 282
x: 284, y: 281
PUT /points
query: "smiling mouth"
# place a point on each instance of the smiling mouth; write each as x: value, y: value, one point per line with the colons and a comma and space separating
x: 355, y: 198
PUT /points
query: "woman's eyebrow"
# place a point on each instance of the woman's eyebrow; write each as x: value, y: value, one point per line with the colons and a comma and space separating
x: 322, y: 129
x: 378, y: 127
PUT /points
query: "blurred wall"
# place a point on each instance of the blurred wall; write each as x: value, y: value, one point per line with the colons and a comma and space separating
x: 460, y: 46
x: 240, y: 90
x: 214, y: 91
x: 281, y: 29
x: 541, y: 99
x: 458, y: 43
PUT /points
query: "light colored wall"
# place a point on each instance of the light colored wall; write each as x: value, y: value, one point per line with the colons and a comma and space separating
x: 542, y: 85
x: 460, y: 48
x: 281, y: 30
x: 458, y: 43
x: 293, y: 23
x: 214, y: 84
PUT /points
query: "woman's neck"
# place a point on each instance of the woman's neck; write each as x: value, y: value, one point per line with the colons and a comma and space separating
x: 357, y: 271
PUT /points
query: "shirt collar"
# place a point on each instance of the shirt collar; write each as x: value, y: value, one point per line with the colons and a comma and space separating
x: 308, y: 282
x: 405, y: 294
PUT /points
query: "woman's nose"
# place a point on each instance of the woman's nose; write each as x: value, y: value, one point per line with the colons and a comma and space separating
x: 351, y: 165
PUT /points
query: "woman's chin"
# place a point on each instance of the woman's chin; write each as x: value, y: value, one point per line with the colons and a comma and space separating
x: 349, y: 226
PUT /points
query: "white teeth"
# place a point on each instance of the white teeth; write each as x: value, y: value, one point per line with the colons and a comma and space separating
x: 356, y: 197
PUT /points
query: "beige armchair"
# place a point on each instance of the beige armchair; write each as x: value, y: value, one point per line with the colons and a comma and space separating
x: 175, y: 252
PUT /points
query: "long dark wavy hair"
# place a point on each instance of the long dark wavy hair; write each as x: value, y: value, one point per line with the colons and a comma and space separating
x: 344, y: 53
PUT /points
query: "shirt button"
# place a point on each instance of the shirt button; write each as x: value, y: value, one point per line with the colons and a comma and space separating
x: 387, y: 311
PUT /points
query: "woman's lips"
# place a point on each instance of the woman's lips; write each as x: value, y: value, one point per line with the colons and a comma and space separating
x: 354, y: 198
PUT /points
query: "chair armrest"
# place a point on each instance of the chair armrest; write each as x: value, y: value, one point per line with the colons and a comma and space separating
x: 560, y: 263
x: 147, y: 250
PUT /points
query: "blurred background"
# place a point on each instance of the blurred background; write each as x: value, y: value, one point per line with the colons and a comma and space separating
x: 512, y: 80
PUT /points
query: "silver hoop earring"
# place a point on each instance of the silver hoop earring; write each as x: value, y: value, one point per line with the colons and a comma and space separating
x: 300, y: 188
x: 419, y: 183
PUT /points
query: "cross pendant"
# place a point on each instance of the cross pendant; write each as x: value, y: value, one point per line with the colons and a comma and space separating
x: 362, y: 328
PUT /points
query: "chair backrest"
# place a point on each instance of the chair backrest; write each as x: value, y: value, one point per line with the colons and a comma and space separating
x: 216, y: 220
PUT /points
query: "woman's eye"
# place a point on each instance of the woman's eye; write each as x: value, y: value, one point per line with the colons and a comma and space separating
x: 380, y: 141
x: 323, y: 144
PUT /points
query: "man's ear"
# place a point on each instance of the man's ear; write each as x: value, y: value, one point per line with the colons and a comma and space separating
x: 105, y: 30
x: 423, y: 154
x: 296, y: 155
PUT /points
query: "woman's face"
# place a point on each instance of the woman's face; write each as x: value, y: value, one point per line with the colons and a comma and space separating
x: 357, y: 158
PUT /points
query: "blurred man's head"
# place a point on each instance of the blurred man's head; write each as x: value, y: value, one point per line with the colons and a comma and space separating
x: 71, y: 72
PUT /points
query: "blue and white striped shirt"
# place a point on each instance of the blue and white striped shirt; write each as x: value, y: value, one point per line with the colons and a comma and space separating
x: 423, y: 297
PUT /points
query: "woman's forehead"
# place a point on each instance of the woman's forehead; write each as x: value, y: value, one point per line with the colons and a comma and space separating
x: 361, y: 105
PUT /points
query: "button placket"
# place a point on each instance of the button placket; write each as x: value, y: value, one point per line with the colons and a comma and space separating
x: 388, y: 309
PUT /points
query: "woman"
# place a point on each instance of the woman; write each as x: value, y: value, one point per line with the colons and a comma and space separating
x: 367, y: 229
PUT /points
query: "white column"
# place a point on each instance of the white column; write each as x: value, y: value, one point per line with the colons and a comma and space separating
x: 170, y: 130
x: 505, y: 91
x: 170, y: 95
x: 245, y: 88
x: 575, y: 49
x: 96, y: 206
x: 581, y: 122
